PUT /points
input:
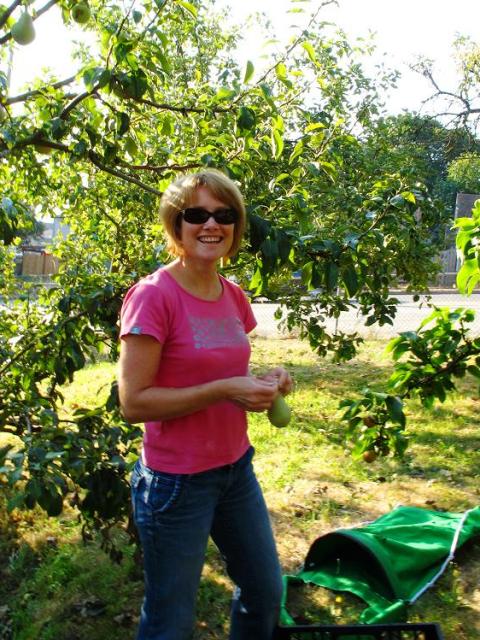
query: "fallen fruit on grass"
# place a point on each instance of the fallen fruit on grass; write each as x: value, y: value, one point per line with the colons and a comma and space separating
x: 279, y: 413
x: 369, y: 456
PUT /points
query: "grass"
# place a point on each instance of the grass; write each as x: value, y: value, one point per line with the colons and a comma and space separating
x: 53, y: 586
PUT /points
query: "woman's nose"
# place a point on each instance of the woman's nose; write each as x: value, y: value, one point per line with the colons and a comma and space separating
x: 211, y: 222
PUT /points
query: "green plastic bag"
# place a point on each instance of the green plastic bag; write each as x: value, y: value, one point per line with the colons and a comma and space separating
x: 388, y: 563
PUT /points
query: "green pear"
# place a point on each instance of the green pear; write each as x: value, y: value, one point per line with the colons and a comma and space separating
x: 43, y: 149
x: 279, y: 413
x: 23, y: 31
x: 131, y: 147
x: 3, y: 114
x: 81, y: 13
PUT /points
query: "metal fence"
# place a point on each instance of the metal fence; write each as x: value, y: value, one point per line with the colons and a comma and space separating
x: 408, y: 318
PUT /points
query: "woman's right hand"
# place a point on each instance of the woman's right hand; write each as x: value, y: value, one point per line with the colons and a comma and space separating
x: 253, y: 394
x: 142, y: 401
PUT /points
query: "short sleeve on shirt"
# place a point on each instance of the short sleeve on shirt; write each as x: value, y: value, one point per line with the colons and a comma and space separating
x: 249, y: 321
x: 244, y: 306
x: 144, y: 312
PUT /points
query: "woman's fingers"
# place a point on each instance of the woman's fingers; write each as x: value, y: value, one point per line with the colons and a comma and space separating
x: 256, y: 394
x: 284, y: 379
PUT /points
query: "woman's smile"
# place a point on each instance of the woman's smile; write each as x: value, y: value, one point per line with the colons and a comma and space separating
x: 210, y: 239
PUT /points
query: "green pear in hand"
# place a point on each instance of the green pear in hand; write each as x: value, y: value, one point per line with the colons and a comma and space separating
x: 279, y: 413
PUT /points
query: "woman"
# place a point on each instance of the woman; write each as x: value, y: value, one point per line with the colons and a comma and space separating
x: 184, y: 372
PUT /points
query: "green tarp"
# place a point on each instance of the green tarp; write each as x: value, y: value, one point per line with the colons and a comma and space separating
x: 387, y: 563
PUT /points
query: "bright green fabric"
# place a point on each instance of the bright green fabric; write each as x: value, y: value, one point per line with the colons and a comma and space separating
x: 387, y: 563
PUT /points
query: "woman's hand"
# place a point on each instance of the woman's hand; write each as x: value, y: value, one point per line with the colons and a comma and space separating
x: 282, y: 377
x: 253, y: 394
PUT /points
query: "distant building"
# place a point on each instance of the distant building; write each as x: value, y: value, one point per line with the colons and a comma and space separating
x: 35, y: 259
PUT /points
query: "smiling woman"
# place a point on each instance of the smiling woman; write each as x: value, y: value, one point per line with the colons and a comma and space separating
x: 209, y: 190
x: 184, y: 371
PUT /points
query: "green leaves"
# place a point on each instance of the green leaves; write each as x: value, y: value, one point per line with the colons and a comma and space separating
x: 96, y: 76
x: 14, y: 220
x: 224, y: 93
x: 129, y: 85
x: 165, y: 96
x: 189, y: 7
x: 310, y: 51
x: 427, y: 361
x: 249, y: 71
x: 282, y: 75
x: 468, y: 246
x: 468, y: 276
x: 376, y: 423
x: 277, y: 144
x: 350, y: 279
x: 123, y: 123
x: 246, y: 119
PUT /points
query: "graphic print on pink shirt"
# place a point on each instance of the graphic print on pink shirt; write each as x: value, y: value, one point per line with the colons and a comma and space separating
x: 215, y: 333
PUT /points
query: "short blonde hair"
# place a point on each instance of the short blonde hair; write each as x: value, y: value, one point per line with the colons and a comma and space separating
x: 179, y: 195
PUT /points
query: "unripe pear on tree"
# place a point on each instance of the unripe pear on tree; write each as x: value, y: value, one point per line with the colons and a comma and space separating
x: 3, y: 114
x: 43, y: 149
x: 23, y: 30
x: 279, y: 413
x: 81, y: 13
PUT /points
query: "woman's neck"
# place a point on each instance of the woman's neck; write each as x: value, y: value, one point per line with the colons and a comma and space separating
x: 199, y: 279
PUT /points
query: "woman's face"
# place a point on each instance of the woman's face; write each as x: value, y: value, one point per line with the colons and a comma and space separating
x: 208, y: 241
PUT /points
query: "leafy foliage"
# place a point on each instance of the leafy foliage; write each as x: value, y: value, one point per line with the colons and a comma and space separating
x: 465, y: 172
x: 468, y: 239
x: 159, y: 93
x: 440, y: 351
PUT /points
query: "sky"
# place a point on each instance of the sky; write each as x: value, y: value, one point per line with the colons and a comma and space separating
x: 404, y: 30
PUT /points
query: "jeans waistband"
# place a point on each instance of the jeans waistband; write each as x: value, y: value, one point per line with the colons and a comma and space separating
x: 245, y: 458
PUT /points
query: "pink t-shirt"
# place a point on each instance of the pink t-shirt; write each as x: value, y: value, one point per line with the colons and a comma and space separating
x: 202, y: 341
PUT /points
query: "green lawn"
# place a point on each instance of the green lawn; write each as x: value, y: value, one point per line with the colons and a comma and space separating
x: 56, y: 587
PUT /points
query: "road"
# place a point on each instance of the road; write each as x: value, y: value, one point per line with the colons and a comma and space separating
x: 408, y: 318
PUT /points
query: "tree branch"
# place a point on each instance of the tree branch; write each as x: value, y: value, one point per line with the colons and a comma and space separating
x: 91, y: 155
x: 120, y: 174
x: 457, y: 115
x: 287, y: 52
x: 44, y: 9
x: 162, y: 168
x: 140, y: 35
x: 35, y: 92
x: 8, y: 12
x: 183, y: 110
x: 35, y: 139
x: 79, y: 98
x: 119, y: 30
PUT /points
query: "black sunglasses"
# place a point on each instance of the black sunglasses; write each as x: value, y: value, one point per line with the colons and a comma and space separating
x: 199, y: 215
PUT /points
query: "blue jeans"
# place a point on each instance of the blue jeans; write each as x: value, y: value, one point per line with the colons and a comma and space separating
x: 174, y: 515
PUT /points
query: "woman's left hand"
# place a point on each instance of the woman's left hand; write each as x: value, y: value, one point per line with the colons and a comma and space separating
x: 282, y: 377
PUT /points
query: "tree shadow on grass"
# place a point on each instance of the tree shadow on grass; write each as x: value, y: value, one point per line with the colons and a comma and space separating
x: 335, y: 380
x: 75, y: 592
x: 213, y: 605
